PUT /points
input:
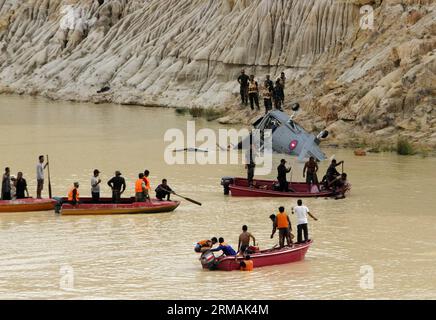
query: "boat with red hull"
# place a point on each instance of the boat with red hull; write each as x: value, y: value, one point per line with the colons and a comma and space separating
x: 238, y: 187
x: 27, y: 205
x: 125, y: 206
x: 262, y: 258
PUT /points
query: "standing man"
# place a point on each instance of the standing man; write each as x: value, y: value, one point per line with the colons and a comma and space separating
x: 95, y: 186
x: 267, y: 96
x: 73, y: 194
x: 40, y: 176
x: 21, y: 186
x: 281, y: 176
x: 147, y: 181
x: 140, y: 190
x: 283, y: 81
x: 250, y: 163
x: 244, y: 240
x: 6, y: 185
x: 243, y: 82
x: 269, y: 82
x: 301, y: 212
x: 253, y: 93
x: 283, y: 223
x: 278, y: 93
x: 118, y: 185
x: 312, y: 168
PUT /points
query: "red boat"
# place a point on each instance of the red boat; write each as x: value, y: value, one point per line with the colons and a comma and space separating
x: 262, y: 258
x: 126, y: 206
x: 238, y: 187
x: 26, y: 205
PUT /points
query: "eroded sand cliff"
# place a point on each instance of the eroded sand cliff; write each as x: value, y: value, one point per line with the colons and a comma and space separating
x: 359, y: 82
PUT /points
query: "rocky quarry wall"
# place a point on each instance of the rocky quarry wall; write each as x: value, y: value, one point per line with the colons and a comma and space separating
x: 360, y: 82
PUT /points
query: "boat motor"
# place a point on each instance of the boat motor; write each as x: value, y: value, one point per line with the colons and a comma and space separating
x: 226, y: 182
x: 207, y: 260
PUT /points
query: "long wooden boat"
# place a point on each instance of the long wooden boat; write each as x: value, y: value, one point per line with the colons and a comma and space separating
x: 126, y: 206
x: 26, y: 205
x: 295, y: 252
x: 265, y: 188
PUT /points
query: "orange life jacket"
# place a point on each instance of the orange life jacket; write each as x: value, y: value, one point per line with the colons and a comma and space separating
x: 248, y: 265
x: 203, y: 243
x: 138, y: 185
x: 147, y: 183
x: 252, y: 87
x: 70, y: 194
x: 282, y: 220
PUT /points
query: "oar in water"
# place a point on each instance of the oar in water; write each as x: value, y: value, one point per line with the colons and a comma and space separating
x: 49, y: 182
x: 188, y: 199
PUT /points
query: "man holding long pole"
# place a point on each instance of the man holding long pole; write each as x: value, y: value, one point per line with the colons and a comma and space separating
x: 40, y: 176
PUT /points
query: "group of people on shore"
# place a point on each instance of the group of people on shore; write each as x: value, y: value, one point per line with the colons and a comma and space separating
x: 118, y: 186
x: 271, y: 92
x: 281, y: 222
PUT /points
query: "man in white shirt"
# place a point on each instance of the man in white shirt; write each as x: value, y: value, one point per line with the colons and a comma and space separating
x: 40, y: 176
x: 95, y: 186
x: 301, y: 212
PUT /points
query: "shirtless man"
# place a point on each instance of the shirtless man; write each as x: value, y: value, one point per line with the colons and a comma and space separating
x: 312, y: 168
x: 244, y: 240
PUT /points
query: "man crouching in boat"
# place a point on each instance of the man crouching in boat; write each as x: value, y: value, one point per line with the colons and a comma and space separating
x: 283, y: 223
x: 73, y: 195
x: 225, y: 248
x: 205, y: 245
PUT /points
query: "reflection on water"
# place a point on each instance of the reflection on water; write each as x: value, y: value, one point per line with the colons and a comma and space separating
x: 388, y: 222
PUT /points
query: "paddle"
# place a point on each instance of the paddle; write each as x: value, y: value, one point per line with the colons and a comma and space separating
x: 49, y: 182
x: 188, y: 199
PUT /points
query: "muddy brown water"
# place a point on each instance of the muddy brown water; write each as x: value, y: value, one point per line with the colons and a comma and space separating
x: 378, y: 243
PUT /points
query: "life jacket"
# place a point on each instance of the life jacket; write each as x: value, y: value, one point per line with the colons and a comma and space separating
x: 252, y: 87
x: 282, y: 220
x: 266, y: 93
x: 138, y: 186
x: 203, y: 243
x: 248, y: 265
x: 147, y: 183
x: 70, y: 194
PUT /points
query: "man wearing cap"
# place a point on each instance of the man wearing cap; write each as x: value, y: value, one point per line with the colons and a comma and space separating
x: 281, y: 176
x: 95, y: 186
x: 118, y: 185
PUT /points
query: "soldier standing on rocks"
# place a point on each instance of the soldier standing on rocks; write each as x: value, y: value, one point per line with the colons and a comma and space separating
x: 243, y: 82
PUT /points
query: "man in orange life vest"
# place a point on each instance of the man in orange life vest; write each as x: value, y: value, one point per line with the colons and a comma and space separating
x: 140, y: 190
x: 283, y: 223
x: 247, y: 264
x: 147, y: 184
x: 73, y: 195
x: 205, y: 245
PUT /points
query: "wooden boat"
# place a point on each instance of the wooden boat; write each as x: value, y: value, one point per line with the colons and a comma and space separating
x: 263, y: 258
x: 26, y: 205
x: 265, y: 188
x: 126, y: 206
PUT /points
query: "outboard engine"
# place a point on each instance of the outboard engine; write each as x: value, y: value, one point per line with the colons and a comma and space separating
x: 226, y: 182
x: 58, y: 204
x: 208, y: 260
